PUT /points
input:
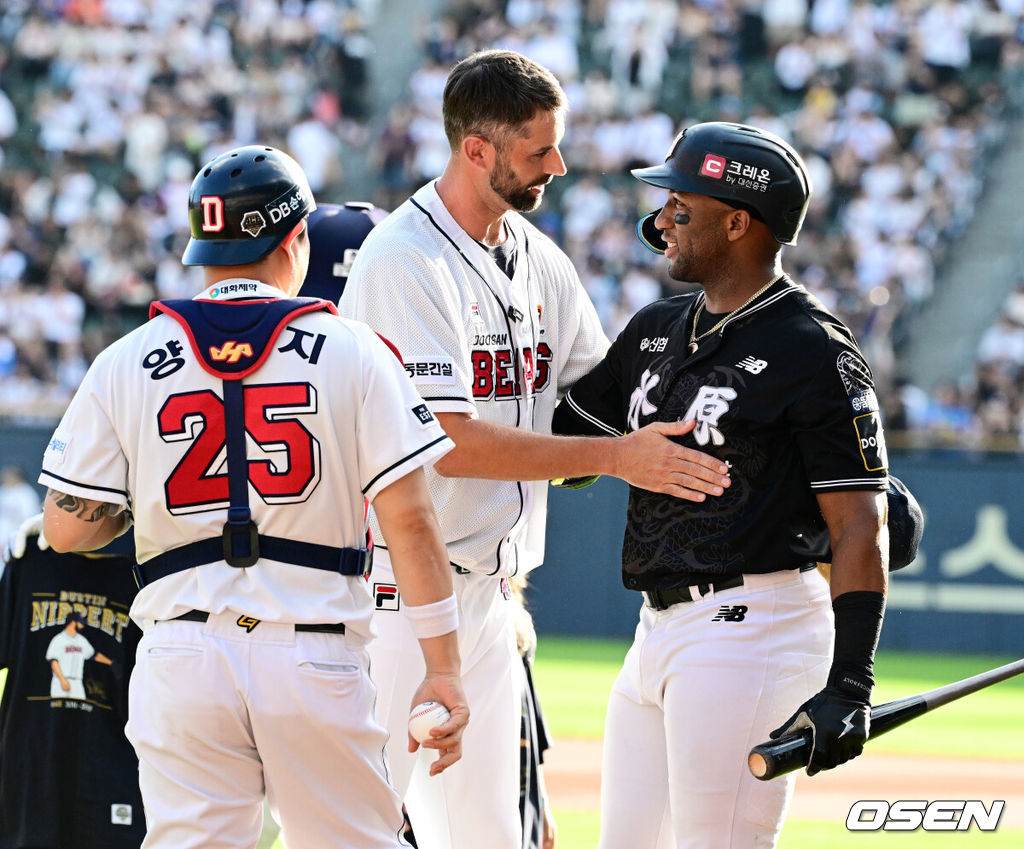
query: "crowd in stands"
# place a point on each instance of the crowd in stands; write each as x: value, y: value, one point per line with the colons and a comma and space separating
x: 107, y: 109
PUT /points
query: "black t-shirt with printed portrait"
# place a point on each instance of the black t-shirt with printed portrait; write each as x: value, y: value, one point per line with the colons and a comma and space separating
x: 68, y: 775
x: 781, y: 392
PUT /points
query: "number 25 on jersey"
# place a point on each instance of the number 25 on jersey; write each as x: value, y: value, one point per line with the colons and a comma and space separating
x: 288, y: 472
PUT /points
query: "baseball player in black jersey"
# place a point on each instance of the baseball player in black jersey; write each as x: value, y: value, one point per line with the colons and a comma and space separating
x: 736, y: 631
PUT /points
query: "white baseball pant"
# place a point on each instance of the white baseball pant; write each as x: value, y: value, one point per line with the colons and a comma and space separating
x: 694, y: 695
x: 77, y: 690
x: 220, y: 716
x: 474, y: 803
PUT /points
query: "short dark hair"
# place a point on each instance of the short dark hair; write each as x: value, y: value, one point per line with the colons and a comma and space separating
x: 494, y: 92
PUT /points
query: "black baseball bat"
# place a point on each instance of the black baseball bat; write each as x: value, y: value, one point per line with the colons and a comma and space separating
x: 792, y: 751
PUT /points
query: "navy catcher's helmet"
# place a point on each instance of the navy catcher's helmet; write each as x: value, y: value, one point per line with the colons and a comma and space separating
x: 242, y: 204
x: 745, y: 167
x: 335, y: 234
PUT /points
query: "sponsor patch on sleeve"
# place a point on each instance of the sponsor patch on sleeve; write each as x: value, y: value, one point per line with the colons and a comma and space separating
x: 856, y: 377
x: 434, y: 370
x: 423, y: 414
x: 56, y: 450
x: 864, y: 401
x: 854, y: 372
x: 385, y: 597
x: 872, y: 442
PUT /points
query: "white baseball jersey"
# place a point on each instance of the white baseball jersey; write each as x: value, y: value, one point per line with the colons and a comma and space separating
x: 475, y: 342
x: 71, y: 651
x: 331, y: 419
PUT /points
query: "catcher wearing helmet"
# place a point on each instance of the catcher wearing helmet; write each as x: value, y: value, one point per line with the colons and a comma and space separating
x: 241, y: 431
x: 243, y: 204
x: 737, y: 626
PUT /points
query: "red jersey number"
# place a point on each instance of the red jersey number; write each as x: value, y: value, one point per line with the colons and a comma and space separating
x: 288, y: 470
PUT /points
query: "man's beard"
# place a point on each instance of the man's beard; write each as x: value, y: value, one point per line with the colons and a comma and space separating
x: 509, y: 189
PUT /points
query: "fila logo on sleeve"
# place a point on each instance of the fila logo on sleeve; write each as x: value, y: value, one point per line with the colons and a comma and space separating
x: 385, y: 597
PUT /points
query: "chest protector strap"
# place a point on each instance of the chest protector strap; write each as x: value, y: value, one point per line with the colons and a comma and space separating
x: 213, y: 329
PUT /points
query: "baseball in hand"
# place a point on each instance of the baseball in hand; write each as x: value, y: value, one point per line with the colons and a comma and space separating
x: 426, y: 716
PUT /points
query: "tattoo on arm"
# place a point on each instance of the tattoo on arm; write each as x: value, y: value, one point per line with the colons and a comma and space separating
x: 83, y: 508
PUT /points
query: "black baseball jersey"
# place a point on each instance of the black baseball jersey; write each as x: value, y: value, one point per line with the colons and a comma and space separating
x: 780, y: 392
x: 68, y: 775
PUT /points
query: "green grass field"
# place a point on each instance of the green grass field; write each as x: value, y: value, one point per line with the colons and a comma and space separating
x: 574, y: 677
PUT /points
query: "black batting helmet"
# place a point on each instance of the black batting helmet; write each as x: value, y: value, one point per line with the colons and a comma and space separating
x: 335, y: 234
x: 242, y: 204
x: 742, y: 166
x: 905, y: 522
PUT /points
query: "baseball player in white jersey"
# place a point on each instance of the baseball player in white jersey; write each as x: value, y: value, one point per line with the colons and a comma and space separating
x: 286, y: 421
x: 493, y: 326
x: 67, y: 653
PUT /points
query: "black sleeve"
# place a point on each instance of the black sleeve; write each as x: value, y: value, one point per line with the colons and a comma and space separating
x: 594, y: 406
x: 837, y: 423
x: 8, y: 566
x: 543, y: 735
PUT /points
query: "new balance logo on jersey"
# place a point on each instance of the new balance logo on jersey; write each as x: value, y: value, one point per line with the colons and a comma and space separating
x: 753, y: 365
x: 230, y: 352
x: 730, y: 613
x: 247, y: 622
x: 385, y: 597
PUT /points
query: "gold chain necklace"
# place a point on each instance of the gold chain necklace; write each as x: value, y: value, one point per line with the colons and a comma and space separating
x: 694, y: 338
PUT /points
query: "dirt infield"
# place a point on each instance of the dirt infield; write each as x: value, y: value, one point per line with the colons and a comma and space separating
x: 572, y: 771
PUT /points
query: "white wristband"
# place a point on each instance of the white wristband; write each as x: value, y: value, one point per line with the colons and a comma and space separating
x: 434, y: 619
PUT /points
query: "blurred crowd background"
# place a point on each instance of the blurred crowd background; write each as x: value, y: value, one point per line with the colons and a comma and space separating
x: 109, y: 107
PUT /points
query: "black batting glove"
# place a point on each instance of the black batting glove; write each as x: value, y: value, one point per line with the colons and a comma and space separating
x: 839, y: 718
